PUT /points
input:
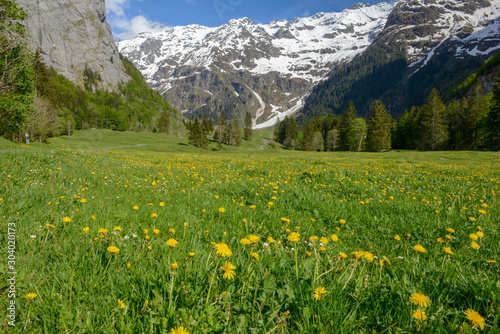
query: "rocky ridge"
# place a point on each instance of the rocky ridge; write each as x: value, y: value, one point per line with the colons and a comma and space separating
x: 72, y: 36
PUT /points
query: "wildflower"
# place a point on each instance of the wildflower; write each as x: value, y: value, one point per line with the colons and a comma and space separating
x: 324, y: 240
x: 440, y: 240
x: 342, y: 255
x: 223, y: 250
x: 255, y: 256
x: 387, y: 260
x: 150, y: 248
x: 450, y: 230
x: 191, y: 254
x: 472, y: 219
x: 313, y: 238
x: 482, y: 212
x: 447, y: 251
x: 178, y: 330
x: 154, y: 215
x: 420, y: 300
x: 228, y: 269
x: 113, y: 249
x: 253, y: 206
x: 145, y: 231
x: 419, y: 248
x: 86, y: 230
x: 449, y: 237
x: 162, y: 204
x: 245, y: 241
x: 121, y: 304
x: 253, y: 238
x: 30, y: 296
x: 171, y: 230
x: 480, y: 234
x: 285, y: 220
x: 319, y: 292
x: 368, y: 256
x: 172, y: 243
x: 397, y: 237
x: 474, y: 245
x: 323, y: 249
x: 342, y: 221
x: 175, y: 265
x: 128, y: 265
x: 135, y: 207
x: 419, y: 315
x: 50, y: 225
x: 66, y: 219
x: 222, y: 210
x: 357, y: 254
x: 473, y: 236
x: 308, y: 253
x: 269, y: 204
x: 156, y: 231
x: 270, y: 240
x: 475, y: 318
x: 294, y: 237
x: 334, y: 238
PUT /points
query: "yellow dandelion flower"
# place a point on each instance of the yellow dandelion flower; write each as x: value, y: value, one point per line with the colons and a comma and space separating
x: 175, y: 265
x: 308, y: 253
x: 172, y: 243
x: 178, y: 330
x: 145, y: 231
x: 323, y: 249
x: 450, y: 230
x: 253, y: 206
x: 419, y: 248
x: 473, y: 236
x: 253, y: 238
x: 313, y: 238
x: 150, y: 248
x: 103, y: 231
x: 128, y: 265
x: 154, y: 215
x: 342, y: 255
x: 255, y: 256
x: 118, y: 228
x: 324, y: 240
x: 472, y: 219
x: 440, y: 240
x: 334, y: 238
x: 113, y: 249
x: 162, y: 204
x: 222, y: 210
x: 191, y: 254
x: 245, y: 241
x: 480, y: 234
x: 294, y: 237
x: 86, y: 230
x: 479, y: 228
x: 449, y: 237
x: 50, y: 225
x: 482, y: 212
x: 228, y: 270
x: 397, y: 237
x: 358, y: 254
x: 474, y: 245
x: 121, y: 304
x: 156, y: 231
x: 419, y: 315
x: 223, y: 250
x: 30, y: 296
x: 368, y: 256
x: 342, y: 221
x: 66, y: 219
x: 420, y: 300
x: 319, y: 292
x: 447, y: 251
x: 475, y: 318
x: 491, y: 261
x: 387, y: 260
x: 285, y: 220
x: 135, y: 207
x: 270, y: 240
x: 171, y: 230
x: 269, y: 204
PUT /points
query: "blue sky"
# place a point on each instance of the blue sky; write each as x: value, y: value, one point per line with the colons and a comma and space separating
x: 130, y: 17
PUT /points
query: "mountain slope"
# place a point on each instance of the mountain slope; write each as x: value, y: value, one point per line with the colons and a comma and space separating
x: 74, y: 36
x: 428, y: 44
x: 266, y: 69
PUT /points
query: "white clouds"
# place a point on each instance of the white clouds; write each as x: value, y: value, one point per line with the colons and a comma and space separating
x: 125, y: 28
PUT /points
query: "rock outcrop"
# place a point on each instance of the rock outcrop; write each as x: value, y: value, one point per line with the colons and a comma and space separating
x: 74, y: 35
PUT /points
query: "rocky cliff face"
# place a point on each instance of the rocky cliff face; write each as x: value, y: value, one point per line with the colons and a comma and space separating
x: 74, y: 35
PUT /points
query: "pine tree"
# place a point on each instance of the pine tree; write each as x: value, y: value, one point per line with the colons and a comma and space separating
x: 344, y: 126
x: 357, y: 134
x: 204, y: 125
x: 235, y: 133
x: 290, y: 133
x: 433, y: 128
x: 493, y: 118
x: 477, y: 112
x: 379, y: 128
x: 164, y: 122
x: 401, y: 133
x: 308, y: 137
x: 248, y: 126
x: 196, y: 135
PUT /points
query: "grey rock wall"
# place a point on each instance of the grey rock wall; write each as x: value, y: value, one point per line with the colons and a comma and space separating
x: 72, y: 35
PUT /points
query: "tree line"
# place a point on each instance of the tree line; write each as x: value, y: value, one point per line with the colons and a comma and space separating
x: 470, y: 123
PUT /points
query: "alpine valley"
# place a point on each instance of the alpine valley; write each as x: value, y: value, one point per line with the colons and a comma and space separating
x: 316, y: 65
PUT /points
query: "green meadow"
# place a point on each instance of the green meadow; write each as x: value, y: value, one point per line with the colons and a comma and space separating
x: 167, y: 238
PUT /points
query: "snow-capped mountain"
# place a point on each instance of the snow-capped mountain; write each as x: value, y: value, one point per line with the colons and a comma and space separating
x: 266, y: 69
x: 270, y: 69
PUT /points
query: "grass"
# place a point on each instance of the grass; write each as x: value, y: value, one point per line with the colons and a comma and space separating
x: 138, y: 199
